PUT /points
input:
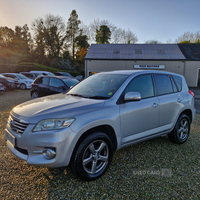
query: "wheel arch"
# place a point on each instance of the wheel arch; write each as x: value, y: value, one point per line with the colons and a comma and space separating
x: 35, y: 90
x: 107, y: 129
x: 5, y: 85
x: 187, y: 112
x: 23, y: 84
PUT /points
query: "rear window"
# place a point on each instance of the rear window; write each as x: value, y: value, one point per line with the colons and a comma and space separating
x: 163, y: 84
x: 178, y: 82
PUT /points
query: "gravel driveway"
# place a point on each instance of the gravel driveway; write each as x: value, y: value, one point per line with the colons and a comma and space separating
x: 156, y: 169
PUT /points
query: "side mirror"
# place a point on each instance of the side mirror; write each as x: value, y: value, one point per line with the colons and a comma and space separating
x: 132, y: 96
x: 61, y: 87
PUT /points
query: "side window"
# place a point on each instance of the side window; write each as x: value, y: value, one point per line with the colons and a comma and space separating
x: 163, y: 84
x: 55, y: 82
x: 9, y: 75
x: 178, y: 81
x: 174, y: 85
x: 142, y: 84
x: 44, y: 80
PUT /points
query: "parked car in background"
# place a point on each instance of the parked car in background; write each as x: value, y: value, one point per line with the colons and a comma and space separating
x: 103, y: 113
x: 24, y: 82
x: 9, y: 83
x: 2, y: 88
x: 43, y: 73
x: 48, y: 85
x: 31, y: 75
x: 62, y: 74
x: 79, y: 78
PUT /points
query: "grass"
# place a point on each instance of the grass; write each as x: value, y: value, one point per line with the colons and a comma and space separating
x: 155, y: 169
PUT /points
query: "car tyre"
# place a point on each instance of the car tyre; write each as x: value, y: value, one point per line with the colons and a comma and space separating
x: 5, y: 87
x: 92, y: 157
x: 34, y: 95
x: 23, y: 86
x: 181, y: 131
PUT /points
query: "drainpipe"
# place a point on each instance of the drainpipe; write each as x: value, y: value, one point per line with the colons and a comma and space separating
x: 85, y: 68
x: 184, y: 68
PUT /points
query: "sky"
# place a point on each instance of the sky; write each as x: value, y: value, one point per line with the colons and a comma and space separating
x: 162, y: 20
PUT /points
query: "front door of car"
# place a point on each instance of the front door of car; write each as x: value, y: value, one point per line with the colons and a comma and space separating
x: 56, y: 86
x: 139, y: 118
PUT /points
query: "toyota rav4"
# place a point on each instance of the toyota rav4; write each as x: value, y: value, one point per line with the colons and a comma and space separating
x: 105, y: 112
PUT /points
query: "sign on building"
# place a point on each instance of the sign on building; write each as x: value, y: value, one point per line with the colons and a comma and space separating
x: 149, y: 66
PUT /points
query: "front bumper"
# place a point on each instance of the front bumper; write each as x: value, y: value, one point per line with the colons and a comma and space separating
x: 29, y: 146
x: 12, y: 86
x: 28, y: 85
x: 1, y: 89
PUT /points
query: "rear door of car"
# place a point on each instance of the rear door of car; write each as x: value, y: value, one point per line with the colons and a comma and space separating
x: 170, y: 99
x: 42, y: 87
x: 139, y: 118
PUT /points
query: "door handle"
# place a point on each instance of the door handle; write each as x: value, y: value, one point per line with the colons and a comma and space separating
x: 155, y: 105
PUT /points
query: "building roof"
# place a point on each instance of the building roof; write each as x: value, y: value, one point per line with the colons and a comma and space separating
x: 190, y: 51
x: 134, y: 52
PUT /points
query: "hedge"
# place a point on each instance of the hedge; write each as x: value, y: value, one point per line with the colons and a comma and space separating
x: 10, y: 68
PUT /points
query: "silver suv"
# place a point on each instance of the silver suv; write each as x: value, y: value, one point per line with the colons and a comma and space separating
x: 103, y: 113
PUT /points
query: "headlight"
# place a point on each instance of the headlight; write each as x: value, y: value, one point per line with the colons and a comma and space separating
x: 50, y: 124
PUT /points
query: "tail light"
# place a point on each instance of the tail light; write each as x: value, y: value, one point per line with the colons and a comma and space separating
x: 191, y: 93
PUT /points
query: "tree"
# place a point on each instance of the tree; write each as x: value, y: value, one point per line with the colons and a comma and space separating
x: 152, y: 42
x: 6, y: 35
x: 90, y: 30
x: 128, y: 37
x: 22, y: 39
x: 118, y: 35
x: 49, y: 35
x: 185, y: 42
x: 72, y: 30
x: 188, y: 36
x: 103, y: 35
x: 6, y: 43
x: 81, y: 41
x: 80, y: 55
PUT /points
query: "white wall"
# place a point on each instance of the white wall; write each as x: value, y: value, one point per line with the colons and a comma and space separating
x: 189, y: 69
x: 191, y: 72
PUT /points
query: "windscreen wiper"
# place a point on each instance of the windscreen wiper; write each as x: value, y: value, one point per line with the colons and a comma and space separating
x: 77, y: 95
x: 98, y: 97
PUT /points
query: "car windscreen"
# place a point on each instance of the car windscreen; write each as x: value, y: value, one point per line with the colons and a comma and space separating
x: 20, y: 76
x: 50, y: 74
x: 98, y: 86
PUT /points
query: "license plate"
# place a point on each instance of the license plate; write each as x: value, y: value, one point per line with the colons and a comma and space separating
x: 10, y: 138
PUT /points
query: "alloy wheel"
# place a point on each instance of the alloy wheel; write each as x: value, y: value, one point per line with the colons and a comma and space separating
x: 95, y: 157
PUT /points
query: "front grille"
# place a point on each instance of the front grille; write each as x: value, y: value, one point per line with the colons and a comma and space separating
x: 16, y: 125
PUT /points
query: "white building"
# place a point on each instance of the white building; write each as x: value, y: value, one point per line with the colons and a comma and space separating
x: 179, y: 58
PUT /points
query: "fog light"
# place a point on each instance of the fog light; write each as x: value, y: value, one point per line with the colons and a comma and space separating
x: 49, y: 153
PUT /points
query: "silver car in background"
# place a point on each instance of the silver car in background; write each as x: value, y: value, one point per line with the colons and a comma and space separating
x: 105, y: 112
x: 24, y: 82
